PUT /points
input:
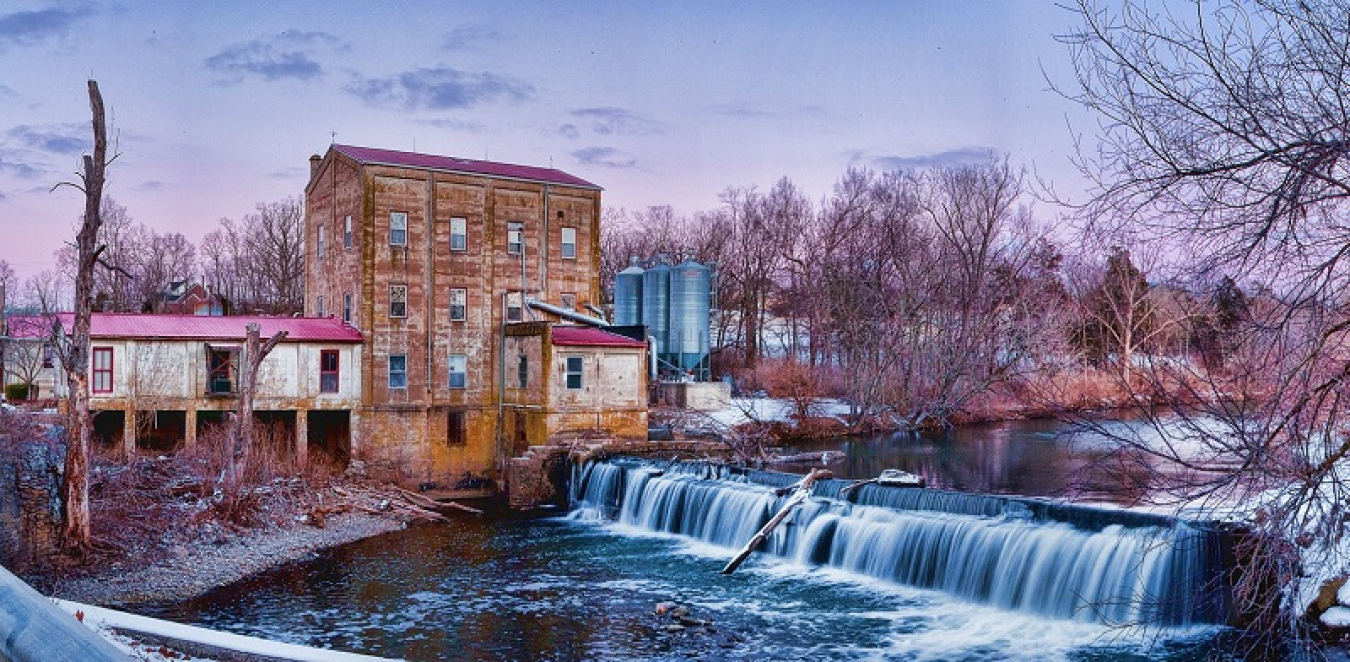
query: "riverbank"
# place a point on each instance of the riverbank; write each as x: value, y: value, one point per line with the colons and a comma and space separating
x: 222, y: 558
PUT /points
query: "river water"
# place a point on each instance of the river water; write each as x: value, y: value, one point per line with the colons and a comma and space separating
x: 584, y: 587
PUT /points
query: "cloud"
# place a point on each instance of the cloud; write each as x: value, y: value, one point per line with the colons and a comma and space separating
x: 26, y: 28
x: 57, y: 139
x: 290, y: 172
x: 287, y: 56
x: 441, y: 88
x: 569, y: 131
x: 604, y: 156
x: 18, y: 168
x: 152, y: 185
x: 455, y: 125
x: 468, y: 37
x: 950, y: 158
x: 740, y: 112
x: 611, y: 121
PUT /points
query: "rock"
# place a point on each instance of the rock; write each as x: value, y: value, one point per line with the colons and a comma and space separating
x: 674, y: 628
x: 664, y: 607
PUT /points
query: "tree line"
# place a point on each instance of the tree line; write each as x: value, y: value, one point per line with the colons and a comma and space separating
x: 254, y: 265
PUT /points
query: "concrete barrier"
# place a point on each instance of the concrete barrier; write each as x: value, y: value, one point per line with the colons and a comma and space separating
x: 32, y: 628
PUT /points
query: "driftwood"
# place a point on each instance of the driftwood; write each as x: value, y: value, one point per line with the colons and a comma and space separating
x: 433, y: 505
x: 802, y: 491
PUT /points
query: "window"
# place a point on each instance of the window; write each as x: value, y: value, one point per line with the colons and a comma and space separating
x: 569, y: 300
x: 398, y: 228
x: 103, y: 367
x: 319, y: 243
x: 569, y: 243
x: 459, y: 234
x: 48, y: 356
x: 523, y: 371
x: 574, y: 366
x: 514, y: 242
x: 458, y: 304
x: 328, y: 371
x: 398, y: 371
x: 459, y: 372
x: 514, y: 312
x: 455, y: 429
x: 347, y: 232
x: 320, y: 307
x: 347, y: 307
x: 398, y: 300
x: 220, y: 369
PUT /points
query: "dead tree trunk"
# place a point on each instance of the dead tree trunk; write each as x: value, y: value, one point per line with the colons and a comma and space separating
x: 76, y: 533
x: 241, y: 431
x: 801, y: 492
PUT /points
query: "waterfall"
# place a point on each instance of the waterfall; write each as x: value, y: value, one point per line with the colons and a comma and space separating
x: 1054, y: 560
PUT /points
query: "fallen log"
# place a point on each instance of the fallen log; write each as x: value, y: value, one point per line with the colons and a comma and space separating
x: 801, y: 494
x: 888, y: 478
x: 434, y: 505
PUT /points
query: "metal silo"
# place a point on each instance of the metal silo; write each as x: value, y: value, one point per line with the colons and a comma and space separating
x: 690, y: 285
x: 628, y: 295
x: 656, y: 304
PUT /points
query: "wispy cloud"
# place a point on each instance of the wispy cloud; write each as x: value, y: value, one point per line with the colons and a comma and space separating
x: 287, y: 56
x: 456, y: 125
x: 604, y: 156
x: 57, y: 138
x: 612, y: 121
x: 440, y: 88
x: 739, y: 111
x: 953, y: 157
x: 470, y: 37
x: 18, y: 168
x: 290, y: 172
x: 26, y: 28
x: 152, y: 185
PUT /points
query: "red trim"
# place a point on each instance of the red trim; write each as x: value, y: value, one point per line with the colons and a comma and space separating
x: 101, y: 380
x: 328, y: 374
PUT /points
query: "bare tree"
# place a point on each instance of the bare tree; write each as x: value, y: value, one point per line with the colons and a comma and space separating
x: 75, y: 357
x: 274, y: 237
x: 1222, y: 139
x: 241, y: 432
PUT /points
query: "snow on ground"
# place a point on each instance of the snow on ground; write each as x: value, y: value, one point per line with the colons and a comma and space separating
x: 773, y: 410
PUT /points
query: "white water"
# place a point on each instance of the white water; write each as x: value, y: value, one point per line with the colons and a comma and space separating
x: 1110, y: 575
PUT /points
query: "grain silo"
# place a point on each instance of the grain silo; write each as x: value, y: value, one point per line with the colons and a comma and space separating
x: 656, y: 305
x: 688, y: 347
x: 628, y: 295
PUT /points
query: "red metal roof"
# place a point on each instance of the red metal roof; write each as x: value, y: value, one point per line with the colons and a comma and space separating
x: 591, y: 337
x: 371, y: 155
x: 196, y: 327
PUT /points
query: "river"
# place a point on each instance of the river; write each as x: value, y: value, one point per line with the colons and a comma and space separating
x: 581, y: 587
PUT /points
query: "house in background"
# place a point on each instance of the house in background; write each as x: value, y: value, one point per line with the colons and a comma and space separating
x: 159, y: 380
x: 182, y: 297
x: 436, y: 260
x: 30, y: 358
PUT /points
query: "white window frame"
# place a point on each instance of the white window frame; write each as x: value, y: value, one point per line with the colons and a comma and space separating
x: 398, y: 228
x: 320, y: 307
x: 515, y: 238
x: 574, y: 366
x: 514, y: 301
x: 459, y: 229
x: 319, y: 243
x: 402, y: 372
x: 459, y: 367
x: 569, y: 243
x: 347, y: 233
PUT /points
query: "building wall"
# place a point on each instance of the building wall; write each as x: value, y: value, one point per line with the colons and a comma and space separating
x: 406, y: 427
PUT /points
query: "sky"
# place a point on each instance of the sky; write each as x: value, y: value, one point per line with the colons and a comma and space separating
x: 216, y: 107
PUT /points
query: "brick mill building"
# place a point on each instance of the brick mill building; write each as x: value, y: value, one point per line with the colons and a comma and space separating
x: 465, y: 279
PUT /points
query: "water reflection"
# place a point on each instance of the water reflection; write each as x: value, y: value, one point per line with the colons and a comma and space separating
x: 1030, y: 458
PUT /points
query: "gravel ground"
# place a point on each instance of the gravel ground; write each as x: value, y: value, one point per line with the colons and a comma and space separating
x: 193, y: 570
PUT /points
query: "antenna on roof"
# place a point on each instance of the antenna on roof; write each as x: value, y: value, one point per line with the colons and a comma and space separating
x: 333, y: 138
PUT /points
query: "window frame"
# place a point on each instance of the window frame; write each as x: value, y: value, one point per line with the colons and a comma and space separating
x: 563, y: 300
x: 398, y: 239
x: 578, y: 372
x: 95, y: 372
x: 523, y: 371
x: 402, y: 372
x: 518, y: 229
x: 325, y: 372
x: 566, y: 254
x: 318, y: 244
x: 462, y: 307
x: 401, y: 312
x: 347, y: 307
x: 462, y: 361
x: 319, y: 307
x: 226, y: 371
x: 347, y: 233
x: 463, y: 234
x: 518, y: 299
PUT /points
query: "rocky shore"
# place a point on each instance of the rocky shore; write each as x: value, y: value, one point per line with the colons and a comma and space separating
x: 189, y: 571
